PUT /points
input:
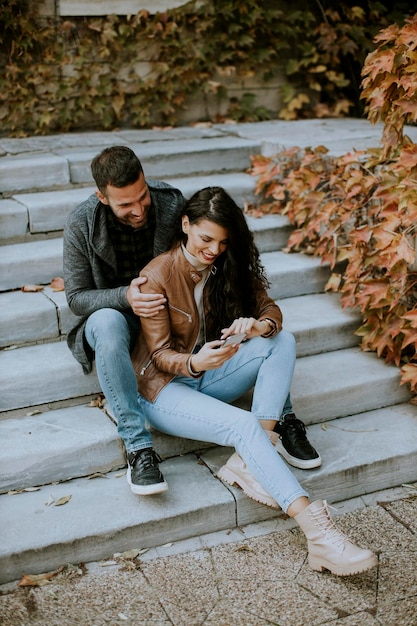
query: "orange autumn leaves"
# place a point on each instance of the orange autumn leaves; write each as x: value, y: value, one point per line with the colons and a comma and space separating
x: 358, y: 212
x: 57, y: 284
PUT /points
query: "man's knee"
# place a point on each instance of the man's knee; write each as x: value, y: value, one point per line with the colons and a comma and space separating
x: 108, y: 325
x: 107, y: 320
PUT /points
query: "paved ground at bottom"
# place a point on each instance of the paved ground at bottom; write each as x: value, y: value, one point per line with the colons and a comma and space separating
x: 254, y: 576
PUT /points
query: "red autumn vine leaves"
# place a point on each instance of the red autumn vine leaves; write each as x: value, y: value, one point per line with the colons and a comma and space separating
x: 358, y: 212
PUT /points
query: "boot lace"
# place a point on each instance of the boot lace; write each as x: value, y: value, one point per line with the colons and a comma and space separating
x: 327, y: 525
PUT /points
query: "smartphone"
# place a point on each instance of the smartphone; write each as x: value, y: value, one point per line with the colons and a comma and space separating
x: 233, y: 339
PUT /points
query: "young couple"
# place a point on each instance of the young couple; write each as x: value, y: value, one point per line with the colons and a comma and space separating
x: 207, y: 286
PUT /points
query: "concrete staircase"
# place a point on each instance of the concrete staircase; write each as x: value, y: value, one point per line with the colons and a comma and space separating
x: 53, y: 445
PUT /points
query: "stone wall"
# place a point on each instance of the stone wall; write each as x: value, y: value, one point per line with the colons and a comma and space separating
x: 199, y: 107
x: 106, y: 7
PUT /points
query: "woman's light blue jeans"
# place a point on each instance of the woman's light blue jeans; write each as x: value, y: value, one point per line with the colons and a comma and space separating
x: 198, y: 408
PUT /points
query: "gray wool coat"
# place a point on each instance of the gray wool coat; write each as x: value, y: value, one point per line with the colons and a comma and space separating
x: 90, y: 269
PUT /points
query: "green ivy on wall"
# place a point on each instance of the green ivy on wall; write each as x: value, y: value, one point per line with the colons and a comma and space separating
x: 141, y: 70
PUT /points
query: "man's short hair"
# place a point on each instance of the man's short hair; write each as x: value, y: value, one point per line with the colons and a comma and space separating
x: 117, y: 166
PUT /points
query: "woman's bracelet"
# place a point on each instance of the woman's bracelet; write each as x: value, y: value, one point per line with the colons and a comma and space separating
x: 272, y: 327
x: 190, y: 369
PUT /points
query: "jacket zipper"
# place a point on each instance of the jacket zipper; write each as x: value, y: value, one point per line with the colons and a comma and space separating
x: 145, y: 367
x: 188, y: 315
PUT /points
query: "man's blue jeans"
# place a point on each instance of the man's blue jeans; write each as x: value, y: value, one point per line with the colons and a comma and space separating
x: 112, y: 335
x: 198, y: 408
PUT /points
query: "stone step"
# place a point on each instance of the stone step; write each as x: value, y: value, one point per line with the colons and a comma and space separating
x: 74, y: 441
x: 294, y: 274
x: 39, y: 162
x: 319, y: 323
x: 338, y: 135
x: 65, y: 166
x: 32, y: 317
x: 70, y: 442
x: 361, y: 454
x: 38, y: 262
x: 45, y: 314
x: 316, y: 320
x: 57, y: 161
x: 34, y: 214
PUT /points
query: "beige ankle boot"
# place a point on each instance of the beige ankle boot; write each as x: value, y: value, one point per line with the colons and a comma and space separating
x: 328, y: 547
x: 235, y: 472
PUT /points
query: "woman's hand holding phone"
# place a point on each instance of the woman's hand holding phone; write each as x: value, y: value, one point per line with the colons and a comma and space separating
x: 214, y: 353
x: 233, y: 340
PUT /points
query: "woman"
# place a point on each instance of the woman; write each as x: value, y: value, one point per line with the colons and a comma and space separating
x: 215, y: 287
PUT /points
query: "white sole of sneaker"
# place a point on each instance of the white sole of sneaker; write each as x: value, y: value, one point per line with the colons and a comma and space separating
x: 292, y: 460
x: 145, y: 490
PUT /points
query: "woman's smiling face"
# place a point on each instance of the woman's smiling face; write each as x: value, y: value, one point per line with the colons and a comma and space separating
x: 205, y: 239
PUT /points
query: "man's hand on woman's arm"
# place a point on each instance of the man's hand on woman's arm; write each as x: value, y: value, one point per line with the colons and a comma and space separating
x: 144, y: 304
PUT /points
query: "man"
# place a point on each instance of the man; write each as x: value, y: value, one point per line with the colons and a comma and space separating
x: 108, y: 239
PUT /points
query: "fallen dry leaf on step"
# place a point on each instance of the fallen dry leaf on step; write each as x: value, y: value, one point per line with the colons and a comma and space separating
x: 32, y: 288
x: 37, y: 580
x: 96, y: 475
x: 201, y: 124
x: 97, y: 402
x: 16, y: 491
x: 243, y: 548
x: 129, y: 554
x: 62, y: 500
x: 57, y: 284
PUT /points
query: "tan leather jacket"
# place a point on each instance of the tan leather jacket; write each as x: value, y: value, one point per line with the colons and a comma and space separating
x: 167, y: 340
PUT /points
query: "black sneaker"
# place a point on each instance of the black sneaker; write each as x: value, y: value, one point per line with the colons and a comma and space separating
x: 143, y: 474
x: 293, y: 444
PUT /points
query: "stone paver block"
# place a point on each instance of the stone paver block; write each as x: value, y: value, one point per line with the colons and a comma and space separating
x: 103, y: 517
x: 13, y: 220
x: 26, y: 317
x: 36, y: 262
x: 48, y: 209
x: 32, y: 171
x: 39, y: 374
x: 57, y: 445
